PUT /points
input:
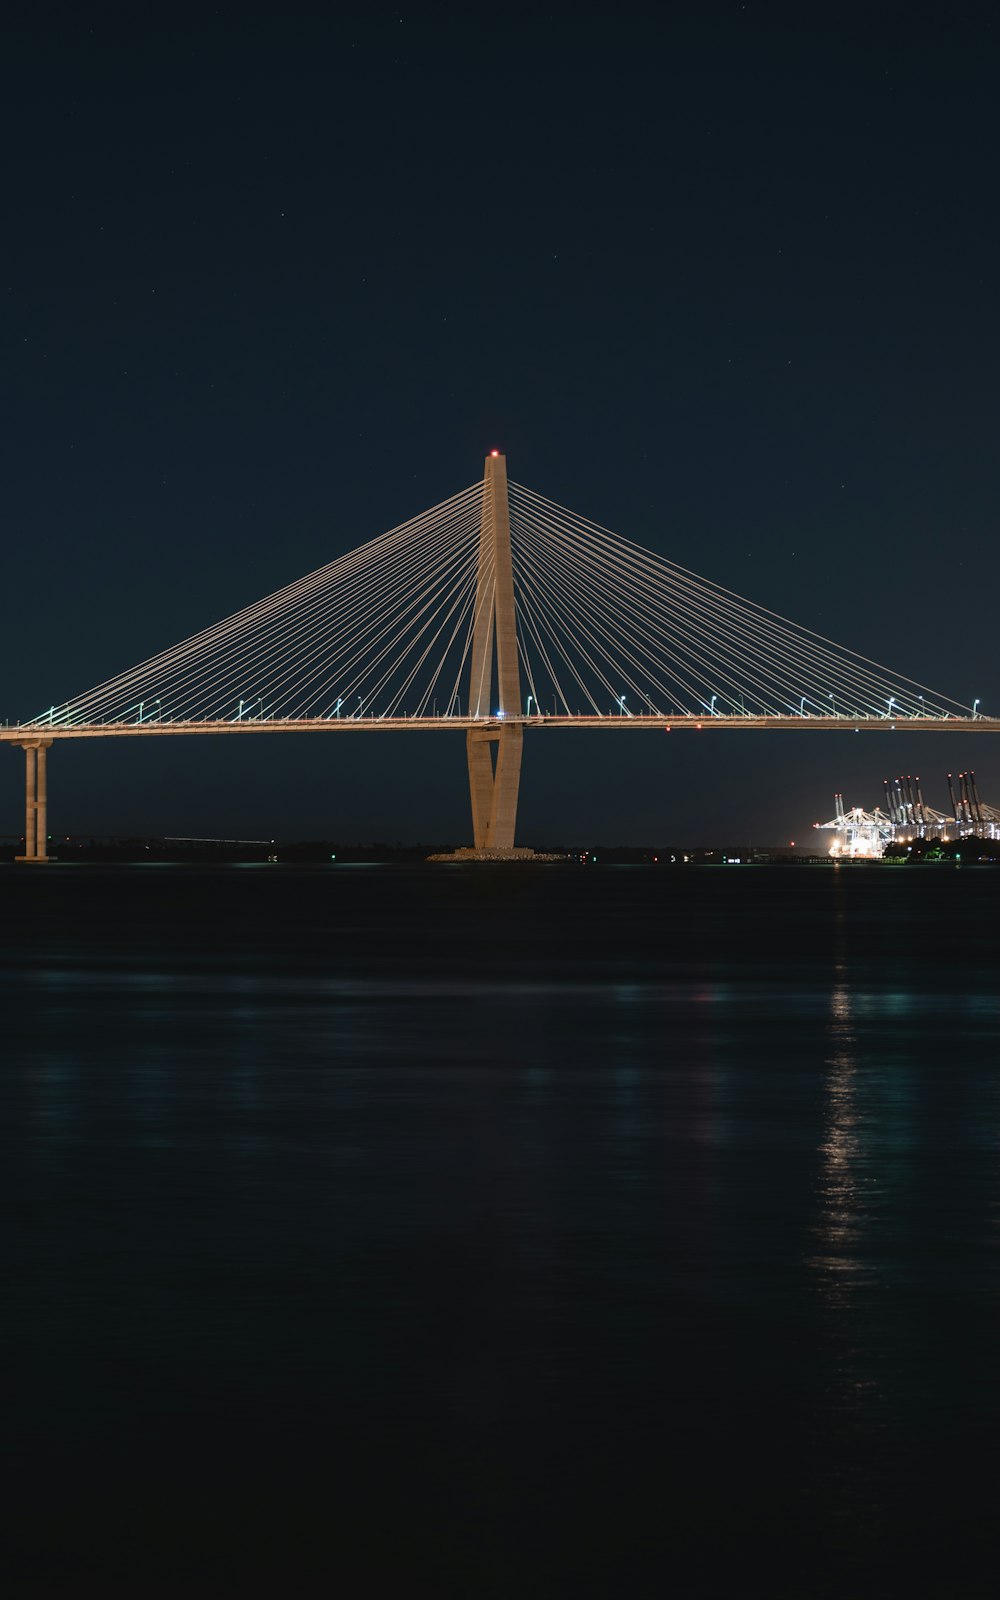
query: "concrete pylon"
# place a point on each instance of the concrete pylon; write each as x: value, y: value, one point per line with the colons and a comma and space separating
x: 494, y: 789
x: 36, y: 802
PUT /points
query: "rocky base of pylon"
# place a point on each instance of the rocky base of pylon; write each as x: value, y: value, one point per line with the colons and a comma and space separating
x: 488, y: 856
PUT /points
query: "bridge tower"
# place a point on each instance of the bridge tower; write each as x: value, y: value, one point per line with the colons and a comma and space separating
x: 494, y: 787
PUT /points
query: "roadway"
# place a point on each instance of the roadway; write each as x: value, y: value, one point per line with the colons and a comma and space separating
x: 627, y: 723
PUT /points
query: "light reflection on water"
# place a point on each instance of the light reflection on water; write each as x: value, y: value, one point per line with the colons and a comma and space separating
x: 599, y: 1197
x: 840, y: 1218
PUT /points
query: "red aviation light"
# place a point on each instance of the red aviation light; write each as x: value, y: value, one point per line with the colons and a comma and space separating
x: 494, y: 452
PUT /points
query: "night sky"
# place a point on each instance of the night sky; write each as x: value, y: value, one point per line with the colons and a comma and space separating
x: 276, y: 280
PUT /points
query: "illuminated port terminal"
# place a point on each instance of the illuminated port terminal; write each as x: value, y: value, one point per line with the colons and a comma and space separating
x: 862, y: 835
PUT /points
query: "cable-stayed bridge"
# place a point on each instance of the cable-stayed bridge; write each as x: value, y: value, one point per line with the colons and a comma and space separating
x: 494, y: 612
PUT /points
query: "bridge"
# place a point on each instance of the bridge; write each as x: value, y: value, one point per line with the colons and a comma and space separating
x: 495, y: 612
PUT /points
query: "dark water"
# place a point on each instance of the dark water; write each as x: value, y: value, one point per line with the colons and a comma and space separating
x: 501, y: 1232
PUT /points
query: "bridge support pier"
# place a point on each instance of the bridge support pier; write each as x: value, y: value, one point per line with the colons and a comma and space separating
x: 494, y: 790
x: 36, y: 802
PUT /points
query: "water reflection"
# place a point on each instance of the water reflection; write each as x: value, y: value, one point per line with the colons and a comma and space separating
x: 844, y: 1267
x: 530, y: 1195
x: 840, y: 1200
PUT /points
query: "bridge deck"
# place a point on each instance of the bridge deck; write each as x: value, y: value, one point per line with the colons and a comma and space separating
x: 620, y: 724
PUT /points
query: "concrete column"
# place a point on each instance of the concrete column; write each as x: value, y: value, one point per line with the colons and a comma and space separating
x: 477, y: 748
x: 481, y: 675
x: 503, y: 812
x: 508, y: 675
x: 42, y: 807
x: 36, y: 822
x: 30, y: 802
x: 495, y: 615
